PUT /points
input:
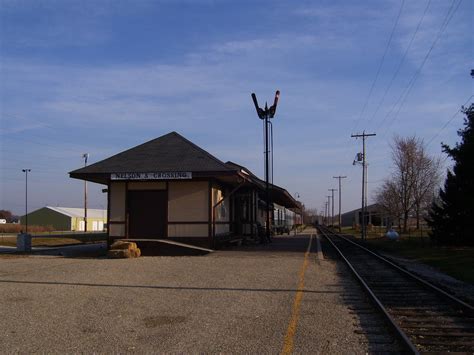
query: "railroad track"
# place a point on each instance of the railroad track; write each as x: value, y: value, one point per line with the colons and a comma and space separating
x: 426, y: 318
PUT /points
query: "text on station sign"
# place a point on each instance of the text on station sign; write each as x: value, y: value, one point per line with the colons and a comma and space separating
x: 152, y: 176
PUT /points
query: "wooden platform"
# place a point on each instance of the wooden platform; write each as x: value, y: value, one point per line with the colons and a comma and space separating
x: 165, y: 247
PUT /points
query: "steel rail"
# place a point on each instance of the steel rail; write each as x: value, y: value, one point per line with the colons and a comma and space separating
x: 405, y: 339
x: 420, y: 280
x: 446, y: 301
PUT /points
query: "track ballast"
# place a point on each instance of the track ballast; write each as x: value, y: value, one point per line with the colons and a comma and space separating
x: 426, y: 318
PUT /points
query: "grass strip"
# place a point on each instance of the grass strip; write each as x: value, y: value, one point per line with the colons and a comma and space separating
x: 51, y: 241
x: 457, y: 262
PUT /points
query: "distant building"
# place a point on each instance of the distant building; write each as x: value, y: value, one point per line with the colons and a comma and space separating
x: 67, y: 219
x: 373, y: 215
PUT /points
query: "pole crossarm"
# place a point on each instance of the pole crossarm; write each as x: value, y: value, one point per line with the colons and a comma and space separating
x: 363, y: 135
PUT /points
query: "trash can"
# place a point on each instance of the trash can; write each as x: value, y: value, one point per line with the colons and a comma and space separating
x: 23, y: 242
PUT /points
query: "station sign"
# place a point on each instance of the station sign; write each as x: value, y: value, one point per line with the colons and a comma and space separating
x: 172, y: 175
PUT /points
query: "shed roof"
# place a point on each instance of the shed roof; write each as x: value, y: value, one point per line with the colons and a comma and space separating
x: 79, y: 212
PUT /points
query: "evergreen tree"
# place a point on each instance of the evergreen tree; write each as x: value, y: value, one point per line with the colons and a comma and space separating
x: 452, y: 215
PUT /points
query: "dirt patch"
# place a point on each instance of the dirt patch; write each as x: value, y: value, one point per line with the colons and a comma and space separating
x: 88, y: 330
x: 13, y: 256
x: 17, y: 299
x: 157, y: 321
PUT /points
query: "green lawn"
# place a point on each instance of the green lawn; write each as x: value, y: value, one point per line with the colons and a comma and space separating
x: 377, y: 232
x: 457, y: 262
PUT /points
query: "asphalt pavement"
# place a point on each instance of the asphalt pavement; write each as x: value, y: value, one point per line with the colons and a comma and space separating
x: 274, y: 298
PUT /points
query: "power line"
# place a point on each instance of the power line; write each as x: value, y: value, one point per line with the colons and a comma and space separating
x: 380, y: 65
x: 401, y: 99
x: 448, y: 122
x: 412, y: 81
x: 401, y: 62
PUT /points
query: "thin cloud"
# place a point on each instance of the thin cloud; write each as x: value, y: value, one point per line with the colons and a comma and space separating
x: 320, y: 57
x: 332, y: 12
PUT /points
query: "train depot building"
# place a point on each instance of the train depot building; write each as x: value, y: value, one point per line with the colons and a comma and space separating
x: 169, y: 188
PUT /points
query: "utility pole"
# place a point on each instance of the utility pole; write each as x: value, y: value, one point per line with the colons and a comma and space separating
x: 364, y: 167
x: 265, y: 115
x: 325, y: 212
x: 329, y: 207
x: 323, y: 215
x: 332, y: 217
x: 85, y: 156
x: 297, y: 195
x: 26, y: 171
x: 340, y: 193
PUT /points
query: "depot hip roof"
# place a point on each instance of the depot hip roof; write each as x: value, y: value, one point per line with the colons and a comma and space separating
x: 172, y: 153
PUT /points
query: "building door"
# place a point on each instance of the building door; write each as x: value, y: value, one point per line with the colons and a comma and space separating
x: 94, y: 226
x: 148, y: 214
x: 81, y: 225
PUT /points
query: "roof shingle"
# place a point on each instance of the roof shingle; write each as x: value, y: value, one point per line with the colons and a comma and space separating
x: 171, y: 152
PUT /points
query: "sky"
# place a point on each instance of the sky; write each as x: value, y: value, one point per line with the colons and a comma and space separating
x: 103, y: 76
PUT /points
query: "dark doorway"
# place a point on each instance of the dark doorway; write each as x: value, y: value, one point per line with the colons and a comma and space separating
x: 148, y: 214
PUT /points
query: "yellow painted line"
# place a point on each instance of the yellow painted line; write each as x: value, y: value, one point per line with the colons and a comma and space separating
x: 319, y: 254
x: 291, y: 331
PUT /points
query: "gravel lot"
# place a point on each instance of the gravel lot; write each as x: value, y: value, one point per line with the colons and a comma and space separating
x: 230, y: 301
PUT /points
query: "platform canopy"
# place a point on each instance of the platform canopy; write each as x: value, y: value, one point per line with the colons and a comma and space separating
x: 278, y: 194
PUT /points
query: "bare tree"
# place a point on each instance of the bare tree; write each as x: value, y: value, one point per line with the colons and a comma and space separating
x: 412, y: 184
x: 386, y: 196
x: 404, y: 158
x: 427, y: 178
